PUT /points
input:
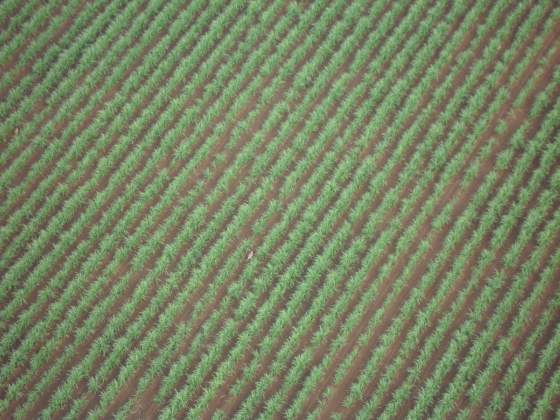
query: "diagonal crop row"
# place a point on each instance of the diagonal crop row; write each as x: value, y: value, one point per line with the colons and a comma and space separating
x: 380, y: 238
x: 118, y: 122
x: 411, y: 339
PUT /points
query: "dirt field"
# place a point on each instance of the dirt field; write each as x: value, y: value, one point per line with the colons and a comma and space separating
x: 305, y: 209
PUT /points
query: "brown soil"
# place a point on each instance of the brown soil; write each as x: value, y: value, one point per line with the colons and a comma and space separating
x: 327, y: 396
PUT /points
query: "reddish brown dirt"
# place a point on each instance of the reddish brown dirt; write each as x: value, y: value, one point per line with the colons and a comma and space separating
x: 123, y: 298
x: 90, y: 118
x: 208, y: 175
x: 384, y: 289
x: 257, y: 240
x: 26, y: 69
x: 353, y: 373
x: 517, y: 344
x: 161, y: 166
x: 305, y: 341
x: 50, y: 112
x: 213, y: 208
